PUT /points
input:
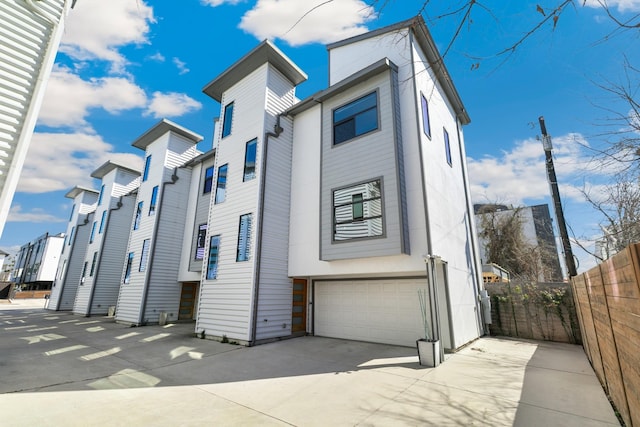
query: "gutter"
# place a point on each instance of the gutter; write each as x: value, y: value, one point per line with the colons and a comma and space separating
x: 145, y: 292
x: 63, y: 280
x: 104, y: 238
x: 277, y: 130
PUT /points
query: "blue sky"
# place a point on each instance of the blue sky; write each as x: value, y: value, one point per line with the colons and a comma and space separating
x: 125, y: 64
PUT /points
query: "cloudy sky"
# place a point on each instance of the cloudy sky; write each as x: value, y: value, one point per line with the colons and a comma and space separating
x: 125, y: 64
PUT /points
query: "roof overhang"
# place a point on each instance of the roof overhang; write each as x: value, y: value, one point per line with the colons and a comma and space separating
x: 162, y: 127
x: 109, y: 166
x: 79, y: 189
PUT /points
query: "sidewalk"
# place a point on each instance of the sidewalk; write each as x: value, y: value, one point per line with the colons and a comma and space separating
x: 26, y: 303
x: 95, y: 372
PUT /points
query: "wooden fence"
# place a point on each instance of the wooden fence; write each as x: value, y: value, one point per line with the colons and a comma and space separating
x: 608, y: 306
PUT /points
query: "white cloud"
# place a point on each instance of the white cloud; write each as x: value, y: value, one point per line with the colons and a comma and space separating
x: 156, y: 57
x: 171, y: 104
x: 320, y: 21
x: 214, y: 3
x: 68, y: 98
x: 621, y: 5
x: 520, y: 174
x: 59, y: 161
x: 16, y: 214
x: 97, y: 29
x: 182, y: 66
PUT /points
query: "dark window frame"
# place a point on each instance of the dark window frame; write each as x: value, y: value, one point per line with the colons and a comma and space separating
x: 426, y: 121
x: 221, y: 184
x: 207, y: 185
x: 127, y: 270
x: 144, y: 255
x: 213, y: 257
x: 354, y: 219
x: 154, y: 200
x: 201, y: 242
x: 447, y: 147
x: 147, y: 164
x: 243, y: 248
x: 227, y: 119
x: 251, y: 149
x: 352, y: 119
x: 138, y: 217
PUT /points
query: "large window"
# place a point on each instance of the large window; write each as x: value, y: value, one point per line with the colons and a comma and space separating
x: 154, y: 200
x: 221, y: 184
x: 144, y: 255
x: 356, y: 118
x: 201, y: 241
x: 102, y: 221
x: 93, y: 263
x: 250, y: 160
x: 93, y: 232
x: 136, y: 221
x: 127, y: 270
x: 100, y: 196
x: 212, y: 264
x: 447, y: 147
x: 208, y: 180
x: 228, y: 119
x: 147, y: 163
x: 244, y: 238
x: 426, y: 124
x: 357, y: 211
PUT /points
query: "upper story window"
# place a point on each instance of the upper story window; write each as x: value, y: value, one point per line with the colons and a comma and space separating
x: 147, y: 163
x: 228, y: 119
x: 212, y: 265
x: 357, y: 211
x: 93, y: 232
x: 250, y: 160
x: 100, y: 195
x: 102, y: 222
x: 447, y: 146
x: 208, y: 180
x: 71, y: 235
x: 356, y: 118
x: 93, y: 263
x: 426, y: 124
x: 201, y: 241
x: 154, y: 201
x: 136, y: 221
x: 127, y: 270
x: 244, y: 238
x: 221, y: 184
x: 73, y: 209
x: 84, y: 272
x: 144, y: 255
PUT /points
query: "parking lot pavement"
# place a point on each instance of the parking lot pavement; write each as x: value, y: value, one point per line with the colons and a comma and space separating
x: 60, y: 369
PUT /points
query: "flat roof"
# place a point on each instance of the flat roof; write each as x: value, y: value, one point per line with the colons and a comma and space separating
x: 79, y: 189
x: 110, y: 165
x: 263, y: 53
x: 162, y: 127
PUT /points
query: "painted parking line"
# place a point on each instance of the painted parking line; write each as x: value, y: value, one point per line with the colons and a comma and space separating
x: 127, y: 378
x: 64, y: 350
x: 88, y: 323
x: 155, y: 337
x: 100, y: 354
x: 69, y: 321
x: 95, y: 329
x: 129, y: 335
x: 52, y: 317
x: 10, y: 328
x: 45, y: 337
x: 42, y: 329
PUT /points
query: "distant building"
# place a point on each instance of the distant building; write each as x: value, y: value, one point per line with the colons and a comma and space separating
x: 30, y: 34
x: 37, y: 262
x: 537, y: 229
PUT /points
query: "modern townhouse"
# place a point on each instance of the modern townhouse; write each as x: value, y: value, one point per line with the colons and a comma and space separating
x: 65, y: 286
x: 150, y: 290
x: 330, y: 214
x: 105, y: 254
x: 37, y: 262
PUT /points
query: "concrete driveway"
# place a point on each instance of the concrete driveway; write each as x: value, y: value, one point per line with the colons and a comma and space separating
x: 59, y: 369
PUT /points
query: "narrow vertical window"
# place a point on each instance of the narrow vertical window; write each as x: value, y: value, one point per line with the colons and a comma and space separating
x: 154, y: 199
x: 102, y: 222
x: 71, y: 235
x: 426, y: 124
x: 93, y: 232
x: 208, y: 180
x: 144, y: 255
x: 73, y: 209
x: 100, y: 196
x: 147, y: 163
x: 93, y: 263
x: 136, y: 221
x: 201, y: 241
x: 244, y: 238
x: 447, y: 146
x: 212, y: 264
x: 221, y: 184
x: 127, y: 270
x: 357, y: 206
x: 228, y: 118
x: 250, y: 160
x: 84, y: 272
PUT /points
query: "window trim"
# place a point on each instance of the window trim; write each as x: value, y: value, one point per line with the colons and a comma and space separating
x: 138, y: 217
x: 144, y: 255
x: 213, y: 269
x: 208, y: 180
x: 93, y: 232
x: 127, y: 270
x: 102, y: 221
x: 204, y: 241
x: 229, y: 107
x: 254, y: 144
x: 447, y: 147
x: 73, y: 210
x: 154, y: 200
x: 426, y: 120
x: 224, y: 168
x: 382, y: 215
x: 247, y: 244
x: 356, y: 135
x: 147, y: 164
x: 93, y: 264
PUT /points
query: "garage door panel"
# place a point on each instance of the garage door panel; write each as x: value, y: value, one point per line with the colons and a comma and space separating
x: 385, y: 311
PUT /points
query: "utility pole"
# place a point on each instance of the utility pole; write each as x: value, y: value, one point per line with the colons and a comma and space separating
x: 555, y: 195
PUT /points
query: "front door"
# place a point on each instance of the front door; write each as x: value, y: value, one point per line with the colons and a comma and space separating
x: 299, y: 310
x: 187, y: 300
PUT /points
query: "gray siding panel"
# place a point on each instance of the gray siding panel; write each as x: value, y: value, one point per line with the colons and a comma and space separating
x: 73, y: 268
x: 202, y: 214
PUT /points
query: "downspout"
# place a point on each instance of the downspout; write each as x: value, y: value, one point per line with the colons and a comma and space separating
x: 102, y: 243
x: 66, y: 272
x: 145, y: 292
x: 277, y: 130
x: 472, y: 234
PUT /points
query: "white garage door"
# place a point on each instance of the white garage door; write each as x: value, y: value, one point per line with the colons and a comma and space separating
x: 383, y: 311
